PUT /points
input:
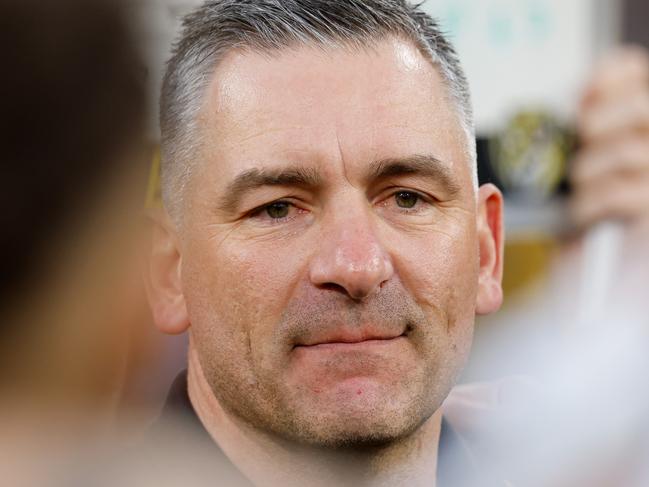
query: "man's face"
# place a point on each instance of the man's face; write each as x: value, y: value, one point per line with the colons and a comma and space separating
x: 330, y: 256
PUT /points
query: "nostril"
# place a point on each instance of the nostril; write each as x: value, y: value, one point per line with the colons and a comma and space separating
x: 332, y: 286
x: 355, y: 294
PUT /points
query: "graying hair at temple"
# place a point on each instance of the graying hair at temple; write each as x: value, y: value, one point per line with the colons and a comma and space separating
x: 219, y: 26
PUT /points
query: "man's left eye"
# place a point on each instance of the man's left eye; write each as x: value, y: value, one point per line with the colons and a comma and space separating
x: 406, y: 199
x: 278, y: 210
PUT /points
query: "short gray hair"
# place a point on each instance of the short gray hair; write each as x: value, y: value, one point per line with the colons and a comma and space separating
x: 219, y: 26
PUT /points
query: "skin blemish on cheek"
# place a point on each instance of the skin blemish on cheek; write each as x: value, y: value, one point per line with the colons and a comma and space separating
x: 359, y: 392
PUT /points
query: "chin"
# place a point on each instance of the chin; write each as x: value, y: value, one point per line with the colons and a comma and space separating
x: 362, y: 440
x: 354, y: 429
x: 357, y: 439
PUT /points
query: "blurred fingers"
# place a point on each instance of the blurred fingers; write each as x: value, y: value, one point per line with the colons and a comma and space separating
x: 615, y: 117
x: 620, y: 196
x: 614, y: 74
x: 623, y: 155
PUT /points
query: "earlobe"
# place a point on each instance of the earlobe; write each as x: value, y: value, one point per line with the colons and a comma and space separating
x: 163, y: 276
x: 491, y: 247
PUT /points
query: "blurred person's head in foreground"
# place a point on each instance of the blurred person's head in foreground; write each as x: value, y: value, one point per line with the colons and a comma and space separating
x: 73, y: 114
x: 324, y: 240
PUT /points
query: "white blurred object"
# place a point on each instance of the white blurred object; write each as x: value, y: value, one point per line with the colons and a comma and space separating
x: 600, y: 264
x: 526, y: 53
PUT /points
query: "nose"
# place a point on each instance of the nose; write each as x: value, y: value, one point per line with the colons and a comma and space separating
x: 350, y: 258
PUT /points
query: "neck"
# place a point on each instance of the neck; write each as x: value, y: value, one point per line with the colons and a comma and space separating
x: 269, y: 461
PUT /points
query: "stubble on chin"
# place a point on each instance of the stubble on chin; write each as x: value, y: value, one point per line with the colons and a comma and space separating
x: 259, y: 390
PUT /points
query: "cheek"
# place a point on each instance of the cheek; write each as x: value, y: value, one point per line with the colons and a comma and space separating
x: 440, y: 270
x: 236, y: 291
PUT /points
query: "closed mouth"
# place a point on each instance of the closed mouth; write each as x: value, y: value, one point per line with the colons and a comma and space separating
x: 358, y: 339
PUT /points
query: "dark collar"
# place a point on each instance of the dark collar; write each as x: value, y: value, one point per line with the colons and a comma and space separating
x: 455, y: 465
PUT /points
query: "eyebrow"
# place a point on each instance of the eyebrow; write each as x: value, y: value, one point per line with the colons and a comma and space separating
x: 420, y: 165
x: 427, y: 166
x: 253, y: 179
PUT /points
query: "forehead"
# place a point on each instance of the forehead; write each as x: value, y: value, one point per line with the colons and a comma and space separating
x: 315, y: 104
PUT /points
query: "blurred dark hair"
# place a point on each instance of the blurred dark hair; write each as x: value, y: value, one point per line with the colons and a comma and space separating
x: 72, y: 101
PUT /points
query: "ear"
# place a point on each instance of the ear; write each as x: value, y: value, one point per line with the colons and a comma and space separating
x: 491, y: 244
x: 162, y: 276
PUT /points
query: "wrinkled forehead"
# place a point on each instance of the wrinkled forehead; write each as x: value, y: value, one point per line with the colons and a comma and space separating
x: 315, y: 104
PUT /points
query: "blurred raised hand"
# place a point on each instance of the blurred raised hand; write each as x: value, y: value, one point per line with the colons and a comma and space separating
x: 610, y: 173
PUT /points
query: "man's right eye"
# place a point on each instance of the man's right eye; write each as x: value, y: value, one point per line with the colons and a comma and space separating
x: 275, y: 212
x: 279, y: 212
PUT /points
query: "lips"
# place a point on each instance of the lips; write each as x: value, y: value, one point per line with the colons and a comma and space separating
x: 356, y: 336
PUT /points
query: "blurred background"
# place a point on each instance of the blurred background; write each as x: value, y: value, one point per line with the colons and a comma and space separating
x: 561, y: 96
